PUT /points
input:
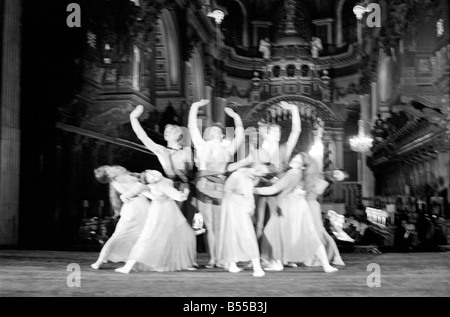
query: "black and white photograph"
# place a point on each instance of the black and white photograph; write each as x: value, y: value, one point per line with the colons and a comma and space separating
x: 224, y: 153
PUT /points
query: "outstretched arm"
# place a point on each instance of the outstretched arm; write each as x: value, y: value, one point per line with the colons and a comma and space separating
x: 239, y: 132
x: 296, y: 128
x: 242, y: 163
x: 196, y: 136
x: 140, y: 133
x: 134, y: 191
x: 277, y: 187
x: 147, y: 193
x: 169, y: 190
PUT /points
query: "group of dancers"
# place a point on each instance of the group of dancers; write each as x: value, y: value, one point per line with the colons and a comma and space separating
x: 155, y: 233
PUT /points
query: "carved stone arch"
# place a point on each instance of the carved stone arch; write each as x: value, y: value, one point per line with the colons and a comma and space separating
x: 339, y: 36
x: 170, y: 32
x: 195, y: 76
x: 236, y: 23
x: 245, y: 41
x: 198, y: 73
x: 309, y: 109
x: 339, y: 21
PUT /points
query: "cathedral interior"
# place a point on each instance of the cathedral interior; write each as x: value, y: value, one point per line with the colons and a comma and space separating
x: 67, y: 91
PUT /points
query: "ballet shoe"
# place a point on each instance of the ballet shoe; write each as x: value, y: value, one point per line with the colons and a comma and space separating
x: 330, y: 269
x: 292, y: 264
x: 234, y: 269
x: 275, y: 267
x: 210, y: 265
x: 122, y: 270
x: 96, y: 266
x: 191, y: 269
x: 259, y: 273
x: 338, y: 262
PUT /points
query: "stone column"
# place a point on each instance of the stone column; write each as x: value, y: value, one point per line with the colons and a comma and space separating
x: 255, y: 35
x: 10, y: 122
x: 367, y: 179
x: 219, y: 113
x: 374, y: 102
x: 339, y: 139
x: 339, y: 29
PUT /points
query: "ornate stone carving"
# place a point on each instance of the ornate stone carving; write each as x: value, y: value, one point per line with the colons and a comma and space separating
x: 309, y: 109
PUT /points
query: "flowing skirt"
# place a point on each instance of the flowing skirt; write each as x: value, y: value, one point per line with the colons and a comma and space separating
x: 132, y: 219
x: 291, y: 235
x: 237, y: 240
x: 334, y: 257
x: 167, y: 242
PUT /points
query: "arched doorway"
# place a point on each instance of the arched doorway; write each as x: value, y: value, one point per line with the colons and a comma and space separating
x: 167, y: 53
x: 309, y: 110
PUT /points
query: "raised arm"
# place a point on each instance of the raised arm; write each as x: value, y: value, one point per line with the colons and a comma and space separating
x: 196, y: 135
x: 296, y: 128
x: 239, y: 132
x: 140, y: 133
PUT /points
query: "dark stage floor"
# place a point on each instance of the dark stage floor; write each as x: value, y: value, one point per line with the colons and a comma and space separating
x: 44, y: 273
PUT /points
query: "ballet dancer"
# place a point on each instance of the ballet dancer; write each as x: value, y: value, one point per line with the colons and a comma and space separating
x: 315, y: 186
x: 291, y: 235
x: 132, y: 214
x: 212, y: 157
x: 279, y: 156
x: 167, y: 240
x: 175, y: 159
x: 237, y: 241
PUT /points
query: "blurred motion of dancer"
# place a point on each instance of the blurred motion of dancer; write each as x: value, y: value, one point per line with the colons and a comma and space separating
x: 132, y: 214
x: 237, y: 240
x: 167, y: 240
x: 315, y: 185
x: 279, y: 157
x: 175, y: 159
x: 290, y: 235
x: 212, y: 157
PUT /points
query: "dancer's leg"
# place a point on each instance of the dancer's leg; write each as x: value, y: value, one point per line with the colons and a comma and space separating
x: 233, y: 268
x: 322, y: 255
x: 260, y: 215
x: 275, y: 265
x: 97, y: 265
x: 257, y: 270
x: 207, y: 213
x: 126, y: 269
x: 101, y: 257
